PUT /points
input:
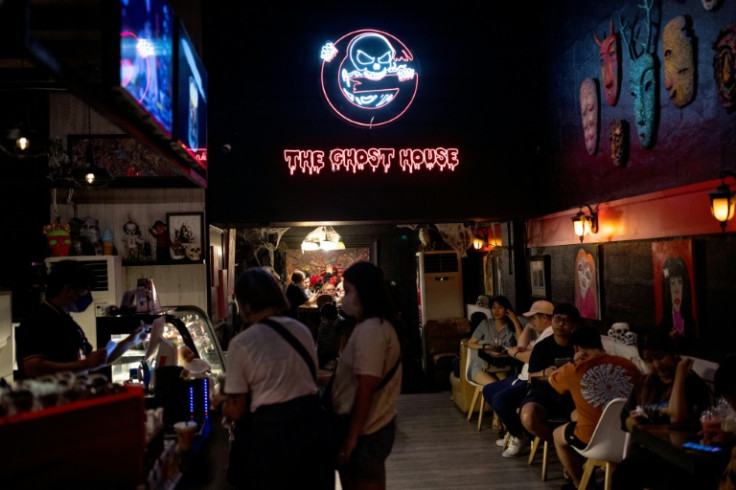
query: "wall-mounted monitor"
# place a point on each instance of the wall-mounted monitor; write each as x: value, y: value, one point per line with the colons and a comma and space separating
x: 146, y: 57
x: 190, y: 115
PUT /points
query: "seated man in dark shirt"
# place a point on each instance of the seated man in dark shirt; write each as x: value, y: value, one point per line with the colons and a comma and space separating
x: 542, y: 403
x: 50, y: 341
x: 296, y: 294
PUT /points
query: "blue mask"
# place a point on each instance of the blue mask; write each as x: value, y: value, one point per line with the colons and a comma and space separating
x: 81, y: 303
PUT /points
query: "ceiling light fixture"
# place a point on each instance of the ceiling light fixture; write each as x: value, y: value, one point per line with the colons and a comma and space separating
x: 584, y: 224
x: 322, y: 238
x: 722, y: 201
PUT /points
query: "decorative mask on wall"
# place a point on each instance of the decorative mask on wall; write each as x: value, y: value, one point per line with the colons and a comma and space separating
x: 610, y: 65
x: 643, y: 79
x: 619, y: 135
x: 724, y: 65
x: 589, y: 114
x: 679, y: 66
x: 58, y: 238
x: 710, y: 4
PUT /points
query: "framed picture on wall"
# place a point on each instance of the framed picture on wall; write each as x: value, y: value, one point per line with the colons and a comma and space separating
x: 675, y: 301
x: 186, y: 231
x: 587, y: 283
x: 539, y: 277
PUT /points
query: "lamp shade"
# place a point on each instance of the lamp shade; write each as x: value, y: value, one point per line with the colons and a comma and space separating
x: 722, y: 204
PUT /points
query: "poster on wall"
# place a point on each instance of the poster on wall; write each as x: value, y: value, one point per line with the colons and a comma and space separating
x: 587, y: 284
x: 323, y: 266
x: 675, y: 304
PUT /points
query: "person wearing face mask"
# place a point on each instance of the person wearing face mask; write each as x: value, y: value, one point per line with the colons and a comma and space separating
x: 50, y: 341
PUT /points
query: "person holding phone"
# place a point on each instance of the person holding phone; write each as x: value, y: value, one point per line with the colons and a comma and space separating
x: 542, y: 403
x: 671, y: 393
x: 504, y: 326
x: 50, y: 341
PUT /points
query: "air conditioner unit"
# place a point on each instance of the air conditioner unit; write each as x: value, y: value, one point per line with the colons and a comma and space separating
x: 440, y: 282
x: 106, y: 291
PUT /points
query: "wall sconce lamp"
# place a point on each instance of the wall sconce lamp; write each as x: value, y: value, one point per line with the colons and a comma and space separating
x: 722, y: 201
x: 584, y: 224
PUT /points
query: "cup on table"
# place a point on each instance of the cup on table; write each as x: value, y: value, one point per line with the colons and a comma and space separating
x: 711, y: 426
x: 185, y: 431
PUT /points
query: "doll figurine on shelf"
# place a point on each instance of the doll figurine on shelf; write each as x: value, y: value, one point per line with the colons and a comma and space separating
x: 133, y: 241
x: 160, y: 232
x: 58, y: 238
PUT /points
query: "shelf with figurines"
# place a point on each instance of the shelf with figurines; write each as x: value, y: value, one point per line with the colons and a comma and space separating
x: 83, y: 236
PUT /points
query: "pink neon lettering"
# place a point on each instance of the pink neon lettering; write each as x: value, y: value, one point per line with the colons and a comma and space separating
x: 308, y: 161
x: 356, y: 159
x: 411, y: 159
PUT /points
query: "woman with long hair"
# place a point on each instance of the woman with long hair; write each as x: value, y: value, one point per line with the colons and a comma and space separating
x: 677, y: 303
x: 368, y: 379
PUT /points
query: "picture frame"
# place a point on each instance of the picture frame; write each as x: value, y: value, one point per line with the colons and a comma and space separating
x: 587, y: 275
x: 540, y: 277
x: 120, y: 154
x: 186, y: 234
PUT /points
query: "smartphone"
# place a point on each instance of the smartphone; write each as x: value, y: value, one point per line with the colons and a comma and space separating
x: 561, y: 361
x: 702, y: 447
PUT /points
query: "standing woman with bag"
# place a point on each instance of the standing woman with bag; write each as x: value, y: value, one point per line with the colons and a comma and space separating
x: 272, y: 396
x: 368, y: 380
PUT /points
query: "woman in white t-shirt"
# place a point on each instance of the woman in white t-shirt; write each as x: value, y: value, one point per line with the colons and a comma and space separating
x: 368, y: 379
x: 271, y: 394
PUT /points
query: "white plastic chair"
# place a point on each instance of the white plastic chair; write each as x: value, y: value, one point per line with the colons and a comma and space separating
x: 608, y: 445
x: 478, y: 394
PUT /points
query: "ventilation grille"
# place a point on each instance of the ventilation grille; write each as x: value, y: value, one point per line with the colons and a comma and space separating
x: 442, y: 262
x: 99, y: 271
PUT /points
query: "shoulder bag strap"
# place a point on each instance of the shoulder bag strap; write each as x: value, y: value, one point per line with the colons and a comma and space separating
x: 389, y: 375
x: 298, y: 346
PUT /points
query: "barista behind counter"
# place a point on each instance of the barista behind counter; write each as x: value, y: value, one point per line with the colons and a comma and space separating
x: 50, y: 341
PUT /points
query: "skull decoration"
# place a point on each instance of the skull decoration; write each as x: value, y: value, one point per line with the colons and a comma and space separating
x: 618, y: 331
x: 483, y: 301
x: 630, y: 338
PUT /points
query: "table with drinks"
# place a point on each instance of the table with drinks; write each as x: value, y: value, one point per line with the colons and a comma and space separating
x: 684, y: 446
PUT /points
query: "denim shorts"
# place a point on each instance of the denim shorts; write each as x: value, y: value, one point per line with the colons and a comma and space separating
x: 368, y: 460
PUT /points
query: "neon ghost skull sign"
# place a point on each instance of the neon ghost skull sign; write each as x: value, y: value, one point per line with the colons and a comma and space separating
x: 369, y: 77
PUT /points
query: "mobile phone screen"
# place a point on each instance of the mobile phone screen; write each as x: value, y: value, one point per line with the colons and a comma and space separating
x: 702, y: 447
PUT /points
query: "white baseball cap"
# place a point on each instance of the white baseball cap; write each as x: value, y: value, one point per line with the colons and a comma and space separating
x: 541, y: 306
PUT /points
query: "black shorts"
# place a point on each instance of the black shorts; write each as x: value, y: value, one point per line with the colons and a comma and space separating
x: 570, y: 436
x: 558, y: 406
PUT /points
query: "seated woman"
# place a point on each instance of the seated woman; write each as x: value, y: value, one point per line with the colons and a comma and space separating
x: 670, y: 394
x: 503, y: 326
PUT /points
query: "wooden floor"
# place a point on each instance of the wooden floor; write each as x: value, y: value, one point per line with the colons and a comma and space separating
x: 437, y: 448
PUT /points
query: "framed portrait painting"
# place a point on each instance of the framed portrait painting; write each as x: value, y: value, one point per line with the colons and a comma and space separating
x: 587, y: 283
x: 539, y: 277
x: 675, y: 302
x: 186, y: 232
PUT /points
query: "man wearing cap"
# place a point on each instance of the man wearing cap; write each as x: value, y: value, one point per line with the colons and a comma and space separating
x: 50, y: 341
x: 505, y: 396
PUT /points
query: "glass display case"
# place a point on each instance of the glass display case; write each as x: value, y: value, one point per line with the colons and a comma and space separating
x: 185, y: 325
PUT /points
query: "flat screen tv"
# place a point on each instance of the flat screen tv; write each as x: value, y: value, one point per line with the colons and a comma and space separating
x: 146, y: 56
x: 190, y: 123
